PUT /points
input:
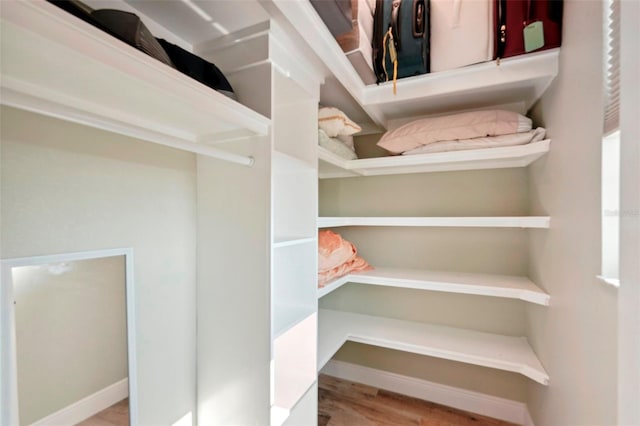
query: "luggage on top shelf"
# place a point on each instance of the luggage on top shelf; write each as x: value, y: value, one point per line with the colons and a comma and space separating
x: 527, y: 25
x: 462, y: 33
x: 412, y: 37
x: 125, y: 26
x: 401, y: 39
x: 129, y: 28
x: 198, y: 69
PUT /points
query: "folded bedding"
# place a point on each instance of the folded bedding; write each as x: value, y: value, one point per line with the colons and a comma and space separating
x: 468, y: 125
x: 335, y: 146
x: 335, y: 122
x: 513, y: 139
x: 337, y: 257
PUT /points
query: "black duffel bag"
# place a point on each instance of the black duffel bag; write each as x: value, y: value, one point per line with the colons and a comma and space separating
x: 125, y: 26
x: 129, y: 28
x: 198, y: 69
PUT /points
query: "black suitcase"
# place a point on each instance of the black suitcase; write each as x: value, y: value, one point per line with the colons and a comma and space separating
x: 402, y: 25
x: 125, y: 26
x: 197, y: 68
x: 129, y: 28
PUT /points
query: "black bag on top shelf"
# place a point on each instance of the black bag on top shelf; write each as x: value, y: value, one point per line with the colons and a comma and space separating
x: 125, y: 26
x: 129, y: 28
x: 197, y: 68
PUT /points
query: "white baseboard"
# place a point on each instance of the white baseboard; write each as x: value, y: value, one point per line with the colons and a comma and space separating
x: 87, y: 407
x: 462, y: 399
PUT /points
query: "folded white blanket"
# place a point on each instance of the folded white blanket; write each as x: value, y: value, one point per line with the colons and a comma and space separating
x: 335, y: 146
x: 479, y: 143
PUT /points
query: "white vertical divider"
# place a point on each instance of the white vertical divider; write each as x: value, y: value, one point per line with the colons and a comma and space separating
x: 295, y: 208
x: 257, y: 255
x: 233, y: 289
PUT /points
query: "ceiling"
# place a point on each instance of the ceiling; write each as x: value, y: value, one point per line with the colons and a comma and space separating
x: 196, y: 21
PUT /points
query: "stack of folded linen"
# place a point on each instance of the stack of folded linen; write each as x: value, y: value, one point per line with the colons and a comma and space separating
x: 335, y: 132
x: 469, y: 130
x: 337, y: 257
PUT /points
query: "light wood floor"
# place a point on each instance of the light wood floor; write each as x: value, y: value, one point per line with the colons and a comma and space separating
x: 343, y: 403
x: 116, y: 415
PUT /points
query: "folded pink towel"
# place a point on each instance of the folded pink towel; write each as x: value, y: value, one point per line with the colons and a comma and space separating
x: 333, y: 250
x: 337, y: 257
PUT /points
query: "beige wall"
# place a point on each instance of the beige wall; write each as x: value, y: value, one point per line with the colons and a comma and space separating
x: 575, y: 338
x: 502, y: 251
x: 68, y: 188
x: 71, y: 332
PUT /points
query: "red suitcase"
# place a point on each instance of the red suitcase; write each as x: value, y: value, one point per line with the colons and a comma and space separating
x: 541, y: 19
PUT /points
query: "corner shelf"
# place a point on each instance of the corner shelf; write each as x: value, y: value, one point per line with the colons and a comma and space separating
x: 513, y: 287
x: 472, y: 347
x: 57, y: 65
x: 332, y: 166
x: 520, y: 79
x: 485, y: 222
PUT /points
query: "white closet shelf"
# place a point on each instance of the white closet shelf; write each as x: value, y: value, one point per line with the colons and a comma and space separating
x: 485, y: 222
x: 513, y: 287
x: 57, y: 65
x: 522, y: 78
x: 286, y: 241
x: 332, y: 166
x: 472, y: 347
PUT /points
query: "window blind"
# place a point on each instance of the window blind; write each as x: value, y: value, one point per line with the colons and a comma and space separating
x: 612, y: 66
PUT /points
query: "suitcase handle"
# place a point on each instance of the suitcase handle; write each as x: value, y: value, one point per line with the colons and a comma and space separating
x: 395, y: 23
x: 418, y: 18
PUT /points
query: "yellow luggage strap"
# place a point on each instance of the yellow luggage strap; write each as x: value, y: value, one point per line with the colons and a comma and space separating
x: 388, y: 38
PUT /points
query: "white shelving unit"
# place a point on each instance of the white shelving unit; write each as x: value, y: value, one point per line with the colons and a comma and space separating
x: 516, y: 84
x: 484, y: 222
x: 520, y: 79
x: 513, y: 287
x: 294, y: 182
x: 57, y: 65
x: 472, y: 347
x: 332, y: 166
x: 287, y: 90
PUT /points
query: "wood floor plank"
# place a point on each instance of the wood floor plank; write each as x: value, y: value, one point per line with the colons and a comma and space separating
x: 115, y: 415
x: 344, y: 403
x: 346, y: 388
x: 398, y: 402
x: 351, y: 411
